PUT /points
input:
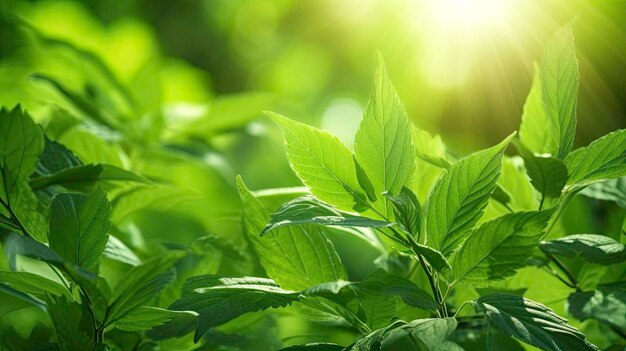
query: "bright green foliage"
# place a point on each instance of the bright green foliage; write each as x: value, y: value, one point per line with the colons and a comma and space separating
x: 79, y: 227
x: 598, y: 249
x: 498, y: 247
x: 124, y: 227
x: 383, y: 145
x: 531, y: 322
x: 603, y: 159
x: 459, y: 197
x: 323, y: 163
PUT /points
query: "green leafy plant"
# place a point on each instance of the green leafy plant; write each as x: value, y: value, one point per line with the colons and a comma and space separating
x: 455, y: 237
x: 474, y: 229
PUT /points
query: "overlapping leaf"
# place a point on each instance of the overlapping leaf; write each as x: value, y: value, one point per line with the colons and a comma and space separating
x: 593, y: 248
x: 459, y: 197
x: 531, y: 322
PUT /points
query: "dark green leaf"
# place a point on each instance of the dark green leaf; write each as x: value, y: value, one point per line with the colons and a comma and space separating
x: 82, y: 176
x: 547, y: 174
x: 309, y: 210
x: 607, y: 303
x: 73, y: 323
x: 531, y: 322
x: 314, y: 347
x: 219, y: 300
x: 593, y: 248
x: 146, y: 318
x: 407, y: 210
x: 610, y: 190
x: 432, y: 333
x: 142, y: 284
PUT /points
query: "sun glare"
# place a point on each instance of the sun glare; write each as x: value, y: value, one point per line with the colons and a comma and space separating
x: 469, y: 14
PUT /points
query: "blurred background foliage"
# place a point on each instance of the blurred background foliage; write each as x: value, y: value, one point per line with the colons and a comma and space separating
x: 174, y: 90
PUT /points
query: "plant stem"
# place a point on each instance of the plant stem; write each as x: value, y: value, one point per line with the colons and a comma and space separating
x: 564, y: 269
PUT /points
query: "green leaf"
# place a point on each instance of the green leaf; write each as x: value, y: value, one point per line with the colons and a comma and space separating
x: 218, y: 300
x: 383, y: 145
x: 32, y: 284
x: 559, y: 88
x: 374, y: 340
x: 116, y: 250
x: 434, y: 257
x: 460, y: 195
x: 531, y: 322
x: 497, y: 248
x: 297, y: 257
x: 430, y: 149
x: 21, y: 143
x: 610, y: 190
x: 54, y: 158
x: 79, y: 227
x: 547, y: 174
x: 383, y: 283
x: 81, y: 176
x: 432, y: 333
x: 603, y: 159
x: 141, y: 285
x: 160, y: 197
x: 146, y: 318
x: 535, y: 132
x: 323, y: 163
x: 321, y: 346
x: 309, y: 210
x: 607, y: 303
x: 73, y: 323
x: 598, y: 249
x: 407, y: 210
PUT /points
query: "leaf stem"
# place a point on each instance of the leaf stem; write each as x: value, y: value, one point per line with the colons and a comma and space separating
x: 564, y: 269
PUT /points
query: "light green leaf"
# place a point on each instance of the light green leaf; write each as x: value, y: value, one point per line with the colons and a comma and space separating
x: 309, y: 210
x: 607, y: 303
x: 32, y: 284
x: 497, y: 248
x: 383, y: 145
x: 160, y: 197
x: 559, y: 88
x: 297, y: 257
x: 146, y: 318
x: 598, y: 249
x: 535, y: 132
x: 141, y: 285
x: 323, y: 163
x: 603, y: 159
x: 79, y: 227
x: 459, y: 197
x: 531, y: 322
x: 430, y: 163
x: 116, y: 250
x: 21, y: 143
